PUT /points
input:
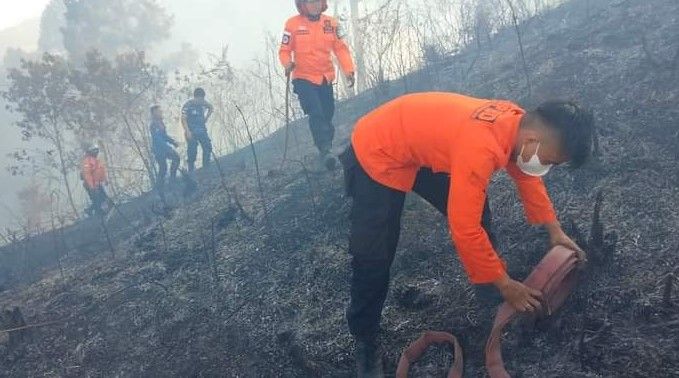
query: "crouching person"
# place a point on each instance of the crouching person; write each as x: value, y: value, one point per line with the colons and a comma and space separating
x: 445, y: 147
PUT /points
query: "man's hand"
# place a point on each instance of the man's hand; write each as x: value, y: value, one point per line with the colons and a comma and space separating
x: 351, y: 80
x: 187, y: 135
x: 289, y: 68
x: 521, y: 297
x: 558, y: 237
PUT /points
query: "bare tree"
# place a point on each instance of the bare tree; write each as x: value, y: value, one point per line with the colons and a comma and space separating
x: 41, y: 94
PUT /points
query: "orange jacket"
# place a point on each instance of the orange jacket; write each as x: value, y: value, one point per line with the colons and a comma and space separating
x: 466, y: 137
x: 93, y: 172
x: 310, y: 44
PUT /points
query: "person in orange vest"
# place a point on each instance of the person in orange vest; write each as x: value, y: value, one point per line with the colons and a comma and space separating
x: 309, y: 39
x: 446, y: 147
x: 93, y: 174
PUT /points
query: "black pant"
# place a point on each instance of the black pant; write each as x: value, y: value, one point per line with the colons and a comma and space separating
x: 98, y: 196
x: 199, y: 137
x: 375, y: 229
x: 162, y: 156
x: 318, y: 102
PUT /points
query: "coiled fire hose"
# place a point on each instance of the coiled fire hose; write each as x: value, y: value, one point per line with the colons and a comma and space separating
x: 555, y: 276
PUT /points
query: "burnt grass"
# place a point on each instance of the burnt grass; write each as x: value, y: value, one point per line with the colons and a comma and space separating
x: 220, y: 287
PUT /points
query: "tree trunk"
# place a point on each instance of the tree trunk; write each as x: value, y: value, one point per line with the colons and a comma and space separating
x: 111, y: 172
x: 64, y: 172
x: 140, y: 151
x: 358, y: 47
x: 523, y: 56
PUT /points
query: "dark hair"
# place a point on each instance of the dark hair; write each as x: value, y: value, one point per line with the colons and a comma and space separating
x: 154, y: 107
x: 199, y: 92
x: 92, y: 149
x: 575, y: 126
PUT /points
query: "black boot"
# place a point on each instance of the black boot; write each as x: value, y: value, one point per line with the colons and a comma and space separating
x: 368, y: 359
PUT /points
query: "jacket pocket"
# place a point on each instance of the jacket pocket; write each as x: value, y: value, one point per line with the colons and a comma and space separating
x: 303, y: 41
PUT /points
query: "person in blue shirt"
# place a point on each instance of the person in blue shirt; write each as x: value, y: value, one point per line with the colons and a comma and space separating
x: 163, y: 148
x: 195, y: 114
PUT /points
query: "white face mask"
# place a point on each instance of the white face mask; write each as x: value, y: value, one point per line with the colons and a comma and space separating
x: 534, y: 166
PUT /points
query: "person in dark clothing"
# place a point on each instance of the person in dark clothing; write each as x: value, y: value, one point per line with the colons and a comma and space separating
x: 162, y: 146
x: 318, y: 102
x: 195, y: 115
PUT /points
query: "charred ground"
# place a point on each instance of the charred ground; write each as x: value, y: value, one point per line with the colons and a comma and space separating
x: 221, y: 287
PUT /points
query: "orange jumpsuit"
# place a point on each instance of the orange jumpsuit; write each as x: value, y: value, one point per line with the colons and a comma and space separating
x: 466, y: 137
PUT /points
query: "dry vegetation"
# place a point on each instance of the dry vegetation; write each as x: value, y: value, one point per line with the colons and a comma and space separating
x: 216, y: 288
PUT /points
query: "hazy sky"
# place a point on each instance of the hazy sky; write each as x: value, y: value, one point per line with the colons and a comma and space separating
x: 206, y: 24
x: 16, y: 11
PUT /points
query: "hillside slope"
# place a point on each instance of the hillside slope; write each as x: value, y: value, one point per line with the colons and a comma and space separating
x: 220, y: 287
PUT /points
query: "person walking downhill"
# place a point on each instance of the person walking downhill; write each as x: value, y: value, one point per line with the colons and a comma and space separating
x: 309, y: 40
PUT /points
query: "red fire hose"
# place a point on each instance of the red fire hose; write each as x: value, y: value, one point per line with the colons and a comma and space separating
x: 554, y: 276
